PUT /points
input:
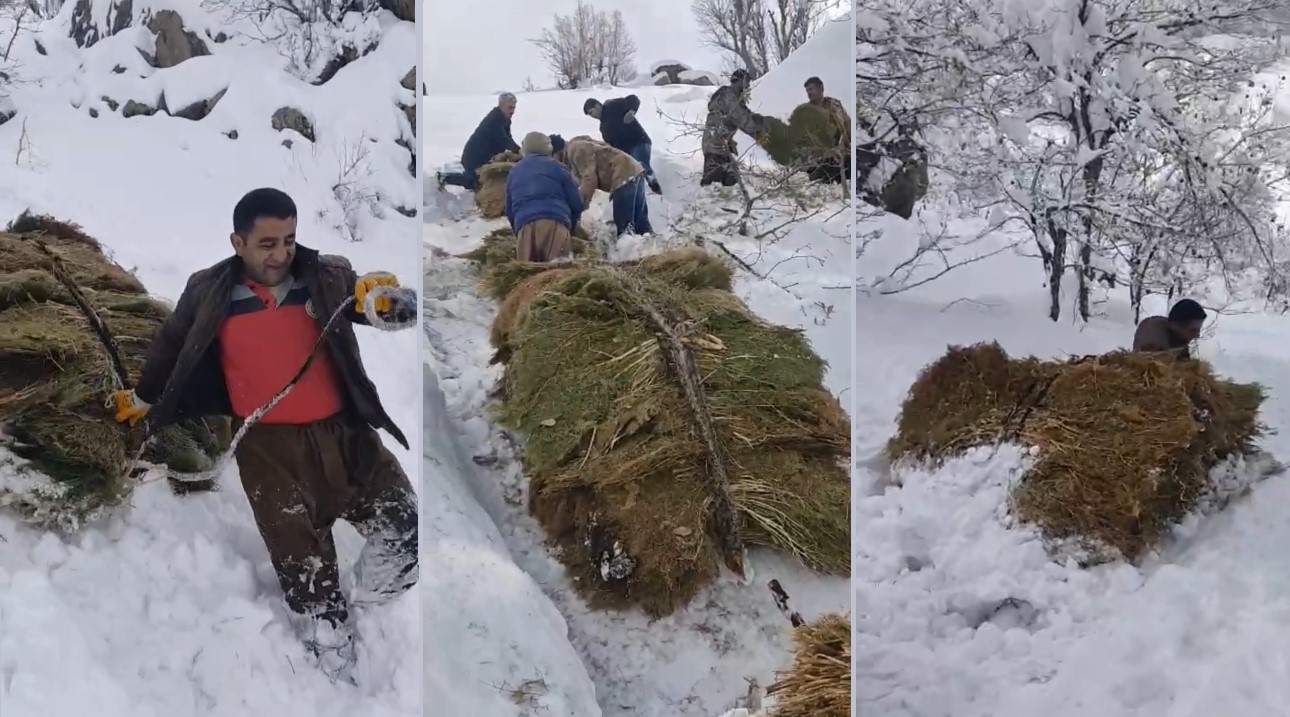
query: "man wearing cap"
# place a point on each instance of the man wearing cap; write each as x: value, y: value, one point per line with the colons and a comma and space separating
x: 491, y: 138
x: 620, y: 130
x: 727, y: 113
x: 543, y: 203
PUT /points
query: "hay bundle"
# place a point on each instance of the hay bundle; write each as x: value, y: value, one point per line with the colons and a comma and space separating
x: 55, y: 375
x: 490, y: 195
x: 667, y: 427
x: 1125, y: 441
x: 819, y: 683
x: 502, y: 272
x: 807, y: 138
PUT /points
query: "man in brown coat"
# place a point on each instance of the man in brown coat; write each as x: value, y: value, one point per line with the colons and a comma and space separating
x: 1172, y: 334
x: 596, y: 165
x: 240, y: 332
x: 833, y: 169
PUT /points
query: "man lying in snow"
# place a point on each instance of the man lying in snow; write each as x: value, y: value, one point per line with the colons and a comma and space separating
x: 1173, y: 334
x: 620, y: 129
x: 490, y: 138
x: 239, y: 333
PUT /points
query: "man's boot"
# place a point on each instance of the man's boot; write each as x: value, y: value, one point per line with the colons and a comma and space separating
x: 331, y: 644
x: 653, y: 184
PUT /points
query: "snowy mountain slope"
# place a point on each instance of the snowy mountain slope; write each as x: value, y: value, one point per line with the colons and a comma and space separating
x: 1198, y: 629
x: 694, y: 662
x: 169, y: 607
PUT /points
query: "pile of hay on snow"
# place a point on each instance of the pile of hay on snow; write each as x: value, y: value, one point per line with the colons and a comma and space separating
x: 666, y: 428
x: 819, y: 682
x: 1125, y: 442
x: 502, y: 271
x: 490, y: 195
x: 808, y: 137
x: 55, y: 374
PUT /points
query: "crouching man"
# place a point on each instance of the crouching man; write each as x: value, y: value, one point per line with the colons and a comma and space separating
x: 240, y: 332
x: 1172, y: 334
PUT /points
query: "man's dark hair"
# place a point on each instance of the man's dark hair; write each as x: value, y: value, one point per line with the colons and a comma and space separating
x: 261, y: 203
x: 589, y: 104
x: 1186, y: 311
x: 814, y: 81
x: 738, y: 75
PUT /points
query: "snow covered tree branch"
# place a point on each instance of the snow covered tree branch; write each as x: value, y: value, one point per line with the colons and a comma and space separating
x: 756, y: 35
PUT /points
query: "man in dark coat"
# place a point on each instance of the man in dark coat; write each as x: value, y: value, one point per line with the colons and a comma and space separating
x: 543, y: 203
x: 1172, y: 334
x: 620, y: 129
x: 490, y: 138
x: 727, y: 113
x: 239, y: 333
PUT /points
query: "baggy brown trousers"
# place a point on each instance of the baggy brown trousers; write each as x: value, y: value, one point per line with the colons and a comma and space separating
x: 544, y: 240
x: 301, y: 479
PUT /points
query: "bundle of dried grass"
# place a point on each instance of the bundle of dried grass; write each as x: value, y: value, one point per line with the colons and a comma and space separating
x: 1125, y: 441
x: 490, y: 195
x: 55, y: 373
x: 819, y: 683
x: 502, y: 272
x: 666, y: 427
x: 808, y: 137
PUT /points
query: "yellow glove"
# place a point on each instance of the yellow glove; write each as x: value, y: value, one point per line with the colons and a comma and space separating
x: 370, y: 281
x: 129, y: 407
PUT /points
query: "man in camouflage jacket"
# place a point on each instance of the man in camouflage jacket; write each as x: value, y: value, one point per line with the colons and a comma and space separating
x: 727, y: 113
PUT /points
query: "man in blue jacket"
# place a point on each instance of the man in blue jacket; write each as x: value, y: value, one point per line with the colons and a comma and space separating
x: 543, y: 203
x: 491, y: 138
x: 620, y: 130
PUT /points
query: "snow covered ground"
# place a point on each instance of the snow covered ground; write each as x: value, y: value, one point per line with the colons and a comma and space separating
x: 1198, y: 629
x: 492, y: 591
x: 169, y: 607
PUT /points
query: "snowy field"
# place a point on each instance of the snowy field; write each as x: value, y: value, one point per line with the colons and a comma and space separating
x: 1198, y: 629
x: 492, y: 590
x: 169, y: 607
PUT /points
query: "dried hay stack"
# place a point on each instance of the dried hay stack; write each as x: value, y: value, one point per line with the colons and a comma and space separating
x: 502, y: 272
x: 490, y: 195
x: 819, y: 683
x: 807, y: 137
x: 1125, y: 441
x: 55, y: 374
x: 666, y: 428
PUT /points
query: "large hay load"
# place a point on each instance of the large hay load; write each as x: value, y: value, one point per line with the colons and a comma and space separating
x: 666, y: 427
x: 806, y: 139
x: 55, y: 374
x: 819, y: 682
x: 1125, y: 442
x: 490, y: 195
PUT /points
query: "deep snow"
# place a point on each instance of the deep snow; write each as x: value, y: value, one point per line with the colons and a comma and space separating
x: 501, y: 594
x: 169, y: 607
x: 1197, y: 629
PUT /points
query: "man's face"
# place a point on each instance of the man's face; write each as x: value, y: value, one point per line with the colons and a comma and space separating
x: 815, y: 93
x: 1190, y: 330
x: 267, y: 250
x: 595, y: 111
x: 508, y: 108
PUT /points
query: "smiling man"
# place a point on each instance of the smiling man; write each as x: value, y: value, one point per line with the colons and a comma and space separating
x: 240, y: 332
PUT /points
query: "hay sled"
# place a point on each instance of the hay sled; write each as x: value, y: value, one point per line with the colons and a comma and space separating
x: 490, y: 196
x: 665, y: 427
x: 56, y: 376
x: 1125, y: 444
x: 819, y: 682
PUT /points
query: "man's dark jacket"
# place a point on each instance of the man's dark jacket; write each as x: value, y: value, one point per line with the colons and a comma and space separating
x: 490, y: 138
x: 183, y: 378
x: 614, y: 131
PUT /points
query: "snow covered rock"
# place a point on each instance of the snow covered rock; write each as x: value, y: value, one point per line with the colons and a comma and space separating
x: 175, y: 43
x: 293, y: 119
x: 673, y: 72
x: 93, y: 20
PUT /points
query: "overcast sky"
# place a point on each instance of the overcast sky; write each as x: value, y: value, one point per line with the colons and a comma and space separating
x: 481, y: 46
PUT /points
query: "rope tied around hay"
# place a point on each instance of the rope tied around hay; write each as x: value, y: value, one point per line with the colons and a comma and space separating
x: 679, y: 358
x: 100, y: 328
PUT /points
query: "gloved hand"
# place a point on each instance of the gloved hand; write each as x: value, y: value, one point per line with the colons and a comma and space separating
x: 629, y: 117
x: 129, y: 407
x: 364, y: 286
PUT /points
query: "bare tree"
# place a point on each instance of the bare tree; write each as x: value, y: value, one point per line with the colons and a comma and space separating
x: 587, y: 47
x: 758, y: 34
x: 317, y: 37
